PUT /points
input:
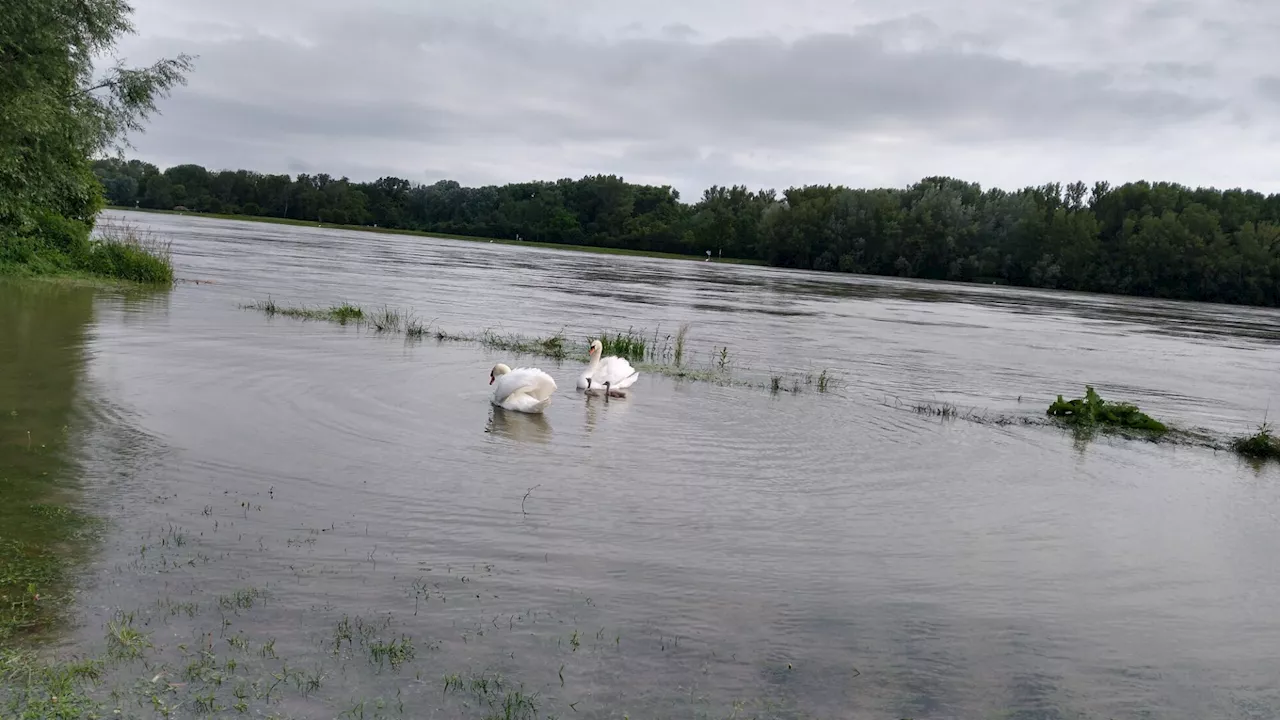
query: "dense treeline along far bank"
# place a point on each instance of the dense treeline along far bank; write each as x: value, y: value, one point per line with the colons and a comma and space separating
x: 1160, y: 240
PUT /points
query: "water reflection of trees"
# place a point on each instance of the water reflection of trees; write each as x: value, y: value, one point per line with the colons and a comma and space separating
x: 42, y: 361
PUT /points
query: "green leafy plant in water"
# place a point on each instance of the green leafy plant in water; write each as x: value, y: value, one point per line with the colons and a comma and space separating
x: 1092, y: 410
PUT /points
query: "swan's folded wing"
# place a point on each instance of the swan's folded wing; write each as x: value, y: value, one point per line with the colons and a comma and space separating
x: 522, y: 401
x: 617, y: 371
x: 535, y: 382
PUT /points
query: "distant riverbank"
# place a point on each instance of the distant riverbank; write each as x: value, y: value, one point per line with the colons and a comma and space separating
x: 420, y: 233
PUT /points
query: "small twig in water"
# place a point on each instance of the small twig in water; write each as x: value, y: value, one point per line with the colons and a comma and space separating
x: 526, y: 497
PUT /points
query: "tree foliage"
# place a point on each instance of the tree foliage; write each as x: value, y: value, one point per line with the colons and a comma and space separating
x: 1150, y: 239
x: 55, y: 116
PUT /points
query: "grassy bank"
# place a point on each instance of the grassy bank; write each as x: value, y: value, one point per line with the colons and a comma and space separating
x: 116, y: 252
x: 448, y: 236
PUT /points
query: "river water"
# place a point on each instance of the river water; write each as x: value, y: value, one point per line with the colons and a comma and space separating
x: 695, y: 550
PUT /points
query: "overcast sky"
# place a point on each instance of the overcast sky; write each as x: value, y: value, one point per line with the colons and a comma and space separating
x: 696, y: 92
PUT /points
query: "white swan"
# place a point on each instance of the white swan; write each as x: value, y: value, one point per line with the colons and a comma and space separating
x: 524, y: 389
x: 612, y: 373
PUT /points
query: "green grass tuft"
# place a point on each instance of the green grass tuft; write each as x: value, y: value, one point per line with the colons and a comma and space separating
x: 124, y: 640
x: 414, y: 329
x: 677, y: 354
x: 1262, y: 445
x: 345, y: 313
x: 943, y: 410
x: 340, y: 314
x: 387, y: 319
x: 627, y: 345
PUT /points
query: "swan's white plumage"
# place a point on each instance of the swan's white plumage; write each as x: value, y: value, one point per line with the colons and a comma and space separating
x: 523, y: 389
x: 614, y: 371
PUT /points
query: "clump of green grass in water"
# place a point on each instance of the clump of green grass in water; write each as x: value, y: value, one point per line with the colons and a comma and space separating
x: 1091, y: 410
x: 553, y: 346
x: 395, y: 652
x: 492, y: 692
x: 1262, y: 445
x: 414, y: 329
x: 35, y: 688
x: 627, y: 345
x: 124, y: 640
x: 946, y: 411
x: 341, y: 314
x: 267, y: 307
x: 346, y: 313
x: 241, y: 599
x: 387, y: 319
x: 677, y: 355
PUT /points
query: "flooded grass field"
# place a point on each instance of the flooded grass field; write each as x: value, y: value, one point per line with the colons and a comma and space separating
x: 210, y: 510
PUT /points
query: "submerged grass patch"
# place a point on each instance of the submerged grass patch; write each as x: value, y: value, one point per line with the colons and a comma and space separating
x: 554, y: 346
x: 950, y: 411
x: 345, y: 313
x: 25, y: 570
x: 34, y: 562
x: 662, y: 355
x: 387, y: 319
x: 167, y: 658
x: 341, y: 314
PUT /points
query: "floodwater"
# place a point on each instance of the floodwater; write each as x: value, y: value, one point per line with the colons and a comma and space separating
x: 695, y: 550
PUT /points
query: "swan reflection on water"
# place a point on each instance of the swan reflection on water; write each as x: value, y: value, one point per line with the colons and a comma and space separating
x: 598, y: 403
x: 518, y: 426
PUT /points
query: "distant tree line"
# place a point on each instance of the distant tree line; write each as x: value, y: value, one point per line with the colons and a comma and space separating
x: 1158, y: 240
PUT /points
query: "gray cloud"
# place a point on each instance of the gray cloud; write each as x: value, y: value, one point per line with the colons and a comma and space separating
x: 1181, y: 71
x: 1269, y: 87
x: 491, y: 96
